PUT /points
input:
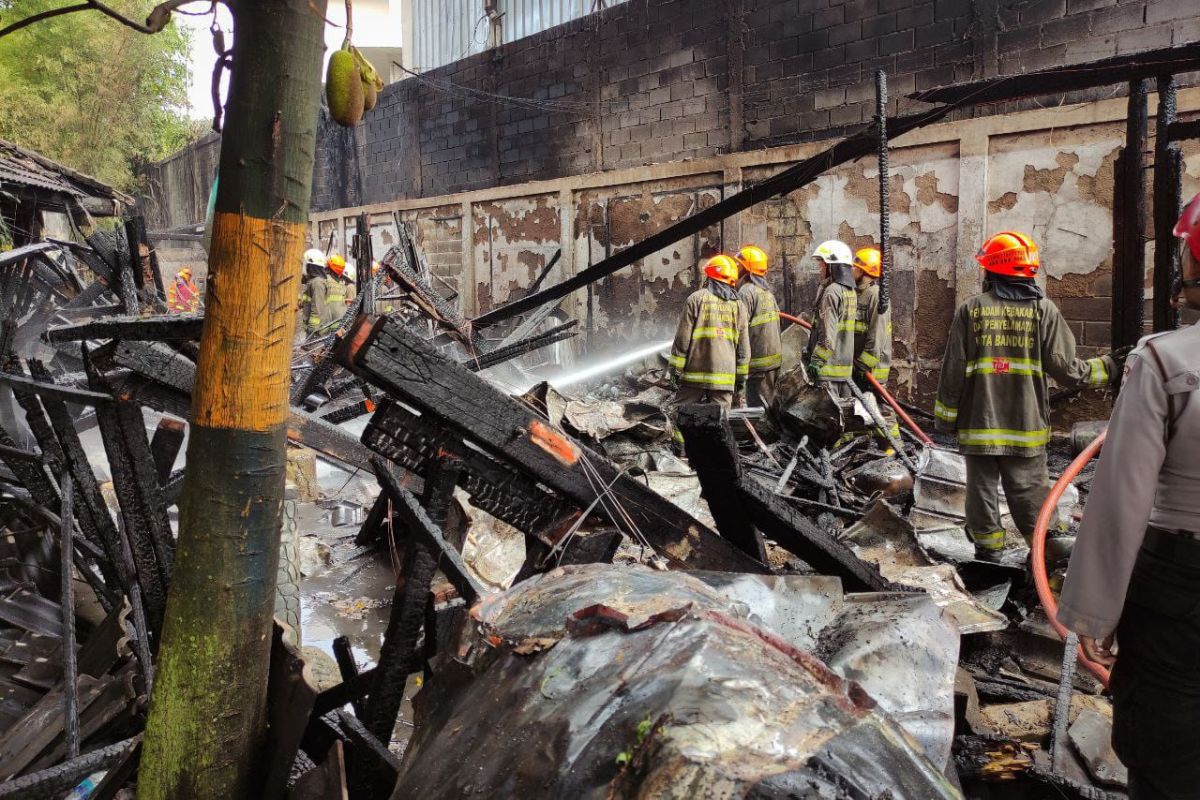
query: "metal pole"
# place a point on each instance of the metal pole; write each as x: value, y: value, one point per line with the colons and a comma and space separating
x: 1168, y: 171
x: 885, y: 222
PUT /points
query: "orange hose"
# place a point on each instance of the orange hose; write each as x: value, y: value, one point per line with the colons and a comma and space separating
x: 900, y: 412
x: 891, y: 401
x: 1040, y: 580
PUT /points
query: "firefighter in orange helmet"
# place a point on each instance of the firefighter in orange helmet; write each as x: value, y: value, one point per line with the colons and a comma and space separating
x: 872, y: 334
x: 335, y: 293
x: 992, y: 392
x: 710, y: 357
x: 183, y: 296
x: 762, y: 321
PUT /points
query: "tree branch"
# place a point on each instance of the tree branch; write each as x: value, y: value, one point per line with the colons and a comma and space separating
x: 158, y: 18
x: 54, y: 12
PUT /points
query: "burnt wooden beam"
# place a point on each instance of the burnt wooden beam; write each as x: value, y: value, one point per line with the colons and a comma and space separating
x: 517, y: 349
x: 66, y: 549
x: 1105, y: 72
x: 398, y: 654
x: 1129, y: 225
x: 412, y: 371
x: 537, y: 283
x: 165, y: 447
x: 328, y: 440
x: 400, y: 261
x: 761, y: 507
x: 348, y: 668
x: 859, y: 144
x: 47, y: 389
x: 415, y: 519
x: 712, y: 453
x: 409, y: 440
x: 1179, y: 130
x: 1168, y: 204
x: 19, y: 254
x: 157, y: 329
x: 59, y: 780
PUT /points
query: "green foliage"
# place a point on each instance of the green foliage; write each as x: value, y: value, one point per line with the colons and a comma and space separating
x: 91, y: 93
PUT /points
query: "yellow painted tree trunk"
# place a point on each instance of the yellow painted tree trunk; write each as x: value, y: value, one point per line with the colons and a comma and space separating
x: 207, y: 711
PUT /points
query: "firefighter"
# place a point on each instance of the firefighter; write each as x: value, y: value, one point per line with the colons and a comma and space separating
x: 183, y: 296
x: 992, y: 393
x: 1136, y: 567
x: 872, y: 333
x: 710, y: 357
x: 762, y: 315
x: 831, y: 345
x: 312, y: 299
x: 335, y: 292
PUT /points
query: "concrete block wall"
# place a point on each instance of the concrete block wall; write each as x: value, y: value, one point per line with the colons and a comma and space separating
x: 650, y: 81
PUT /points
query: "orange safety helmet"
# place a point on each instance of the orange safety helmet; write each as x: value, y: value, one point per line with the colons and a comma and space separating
x: 754, y: 259
x: 870, y: 261
x: 722, y: 268
x: 337, y: 265
x: 1010, y: 253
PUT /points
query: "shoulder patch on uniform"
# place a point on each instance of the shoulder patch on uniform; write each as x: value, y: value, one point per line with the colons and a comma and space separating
x: 1183, y: 382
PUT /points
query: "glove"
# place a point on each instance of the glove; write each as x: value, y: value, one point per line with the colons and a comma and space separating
x: 813, y: 372
x: 673, y: 377
x: 1119, y: 356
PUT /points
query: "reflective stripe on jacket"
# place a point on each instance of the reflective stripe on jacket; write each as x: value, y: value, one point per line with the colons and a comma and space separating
x: 873, y: 335
x: 993, y: 391
x: 762, y: 315
x: 712, y: 347
x: 831, y: 346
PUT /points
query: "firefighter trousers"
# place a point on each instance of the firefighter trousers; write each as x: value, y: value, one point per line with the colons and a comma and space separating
x: 1156, y: 680
x: 1026, y: 484
x: 689, y: 395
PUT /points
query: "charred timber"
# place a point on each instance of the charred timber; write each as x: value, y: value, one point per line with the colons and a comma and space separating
x: 1129, y: 225
x: 712, y: 452
x: 410, y: 370
x: 1168, y: 175
x: 502, y: 354
x: 157, y: 329
x: 1105, y: 72
x: 1179, y: 131
x: 771, y: 514
x: 862, y: 143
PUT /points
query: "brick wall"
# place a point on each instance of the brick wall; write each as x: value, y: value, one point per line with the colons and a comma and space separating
x: 660, y: 80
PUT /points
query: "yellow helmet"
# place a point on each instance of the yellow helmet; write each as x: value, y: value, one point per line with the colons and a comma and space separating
x: 754, y: 259
x: 870, y: 261
x: 185, y: 273
x: 722, y: 268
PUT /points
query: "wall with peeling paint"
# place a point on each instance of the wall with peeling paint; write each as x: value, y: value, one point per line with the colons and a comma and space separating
x: 1047, y: 172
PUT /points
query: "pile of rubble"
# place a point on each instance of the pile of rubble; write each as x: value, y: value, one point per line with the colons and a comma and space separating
x: 787, y: 611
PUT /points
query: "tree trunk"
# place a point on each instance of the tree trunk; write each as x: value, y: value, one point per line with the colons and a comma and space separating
x: 207, y: 710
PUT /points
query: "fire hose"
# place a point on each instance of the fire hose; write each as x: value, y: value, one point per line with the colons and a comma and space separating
x: 1038, y: 567
x: 878, y: 387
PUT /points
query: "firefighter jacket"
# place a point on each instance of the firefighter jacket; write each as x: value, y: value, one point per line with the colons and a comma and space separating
x: 831, y: 346
x: 712, y: 346
x: 335, y: 301
x: 313, y: 301
x: 762, y: 320
x: 873, y: 335
x: 993, y: 390
x: 183, y: 296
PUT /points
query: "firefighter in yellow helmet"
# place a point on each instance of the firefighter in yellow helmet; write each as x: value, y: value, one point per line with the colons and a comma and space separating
x: 992, y: 392
x: 183, y: 296
x: 831, y: 345
x: 872, y: 333
x: 710, y: 357
x: 762, y: 321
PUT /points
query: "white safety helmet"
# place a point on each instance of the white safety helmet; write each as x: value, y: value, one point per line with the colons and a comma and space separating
x: 314, y: 256
x: 350, y: 273
x: 834, y: 252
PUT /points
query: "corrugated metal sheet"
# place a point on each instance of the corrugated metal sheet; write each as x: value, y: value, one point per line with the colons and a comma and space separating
x: 445, y: 31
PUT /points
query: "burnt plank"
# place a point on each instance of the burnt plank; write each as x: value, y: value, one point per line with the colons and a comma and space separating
x: 410, y: 370
x: 165, y: 327
x: 59, y: 780
x: 712, y: 452
x: 165, y: 446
